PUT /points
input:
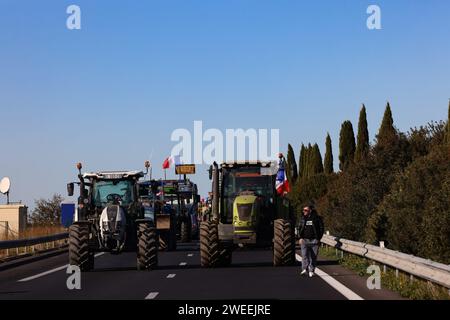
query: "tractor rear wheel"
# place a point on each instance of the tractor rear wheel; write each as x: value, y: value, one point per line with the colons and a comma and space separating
x: 163, y: 240
x: 284, y: 243
x: 167, y: 240
x: 147, y: 246
x: 186, y: 230
x: 209, y: 244
x: 79, y: 254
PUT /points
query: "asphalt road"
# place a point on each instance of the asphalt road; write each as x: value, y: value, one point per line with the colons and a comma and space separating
x: 179, y: 276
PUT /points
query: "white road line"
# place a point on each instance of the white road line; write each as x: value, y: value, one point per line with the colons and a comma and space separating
x: 151, y: 295
x: 183, y: 263
x: 346, y: 292
x: 52, y: 270
x: 190, y: 254
x: 44, y: 273
x: 170, y: 276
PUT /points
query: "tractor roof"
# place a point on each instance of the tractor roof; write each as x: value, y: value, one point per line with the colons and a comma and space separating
x: 256, y: 163
x: 113, y: 175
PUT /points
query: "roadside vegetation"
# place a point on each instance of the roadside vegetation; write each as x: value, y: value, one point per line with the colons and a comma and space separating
x: 395, y: 189
x: 407, y: 287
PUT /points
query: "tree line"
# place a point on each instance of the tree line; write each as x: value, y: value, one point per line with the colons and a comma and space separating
x: 396, y: 189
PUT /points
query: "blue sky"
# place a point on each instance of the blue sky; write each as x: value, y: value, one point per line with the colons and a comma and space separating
x: 110, y: 94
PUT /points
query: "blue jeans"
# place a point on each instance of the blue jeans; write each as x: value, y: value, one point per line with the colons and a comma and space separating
x: 309, y: 249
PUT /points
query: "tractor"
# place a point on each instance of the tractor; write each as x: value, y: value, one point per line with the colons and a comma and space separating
x: 183, y: 197
x: 248, y: 212
x: 110, y: 218
x: 158, y: 210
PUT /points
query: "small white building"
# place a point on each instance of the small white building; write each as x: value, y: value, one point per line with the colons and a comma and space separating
x: 13, y: 220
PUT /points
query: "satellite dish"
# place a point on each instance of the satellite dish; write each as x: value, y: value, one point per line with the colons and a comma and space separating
x: 5, y: 184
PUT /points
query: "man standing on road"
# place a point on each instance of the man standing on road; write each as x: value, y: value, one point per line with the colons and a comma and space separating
x: 310, y: 231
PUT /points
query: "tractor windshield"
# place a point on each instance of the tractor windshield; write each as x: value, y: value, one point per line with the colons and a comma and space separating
x: 247, y: 180
x: 241, y: 181
x: 105, y: 191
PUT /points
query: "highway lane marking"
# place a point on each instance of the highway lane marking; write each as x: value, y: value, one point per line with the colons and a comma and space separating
x: 43, y: 273
x: 151, y: 295
x: 183, y: 263
x: 39, y: 275
x: 346, y: 292
x: 170, y: 276
x: 190, y: 254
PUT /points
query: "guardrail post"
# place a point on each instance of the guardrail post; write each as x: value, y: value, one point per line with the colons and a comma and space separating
x: 396, y: 273
x: 17, y: 251
x: 384, y: 268
x: 411, y: 278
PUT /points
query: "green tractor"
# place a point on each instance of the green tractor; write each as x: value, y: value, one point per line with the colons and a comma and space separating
x: 247, y: 212
x: 110, y: 218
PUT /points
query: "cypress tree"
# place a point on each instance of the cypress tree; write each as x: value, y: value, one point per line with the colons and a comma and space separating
x: 301, y: 162
x: 448, y: 124
x: 316, y: 160
x: 362, y: 146
x: 346, y: 145
x: 328, y: 161
x: 387, y: 132
x: 308, y: 167
x: 291, y: 171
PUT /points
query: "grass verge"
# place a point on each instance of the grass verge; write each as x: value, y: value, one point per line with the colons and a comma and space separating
x: 411, y: 288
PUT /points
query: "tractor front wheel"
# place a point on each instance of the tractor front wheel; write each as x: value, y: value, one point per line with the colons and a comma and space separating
x: 284, y: 243
x: 147, y: 246
x: 209, y: 244
x: 79, y: 254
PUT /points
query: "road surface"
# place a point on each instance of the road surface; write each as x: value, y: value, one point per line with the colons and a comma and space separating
x: 179, y: 276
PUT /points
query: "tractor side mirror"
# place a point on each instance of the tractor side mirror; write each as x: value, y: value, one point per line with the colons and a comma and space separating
x: 70, y: 188
x: 197, y: 198
x: 210, y: 171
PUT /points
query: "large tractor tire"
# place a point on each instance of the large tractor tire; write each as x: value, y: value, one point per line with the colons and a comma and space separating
x: 172, y: 241
x: 209, y: 245
x: 283, y: 243
x: 186, y: 230
x: 167, y: 240
x: 147, y: 246
x: 163, y: 240
x: 79, y: 254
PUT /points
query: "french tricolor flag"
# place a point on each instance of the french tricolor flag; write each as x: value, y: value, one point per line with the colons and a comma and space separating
x: 282, y: 183
x: 171, y: 161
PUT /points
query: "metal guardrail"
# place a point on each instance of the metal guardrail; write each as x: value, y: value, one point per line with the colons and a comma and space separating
x: 435, y: 272
x: 11, y: 244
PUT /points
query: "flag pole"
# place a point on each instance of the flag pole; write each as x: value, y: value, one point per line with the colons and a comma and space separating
x: 163, y: 184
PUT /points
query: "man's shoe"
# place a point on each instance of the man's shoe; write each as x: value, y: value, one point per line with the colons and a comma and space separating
x: 303, y: 273
x: 311, y: 274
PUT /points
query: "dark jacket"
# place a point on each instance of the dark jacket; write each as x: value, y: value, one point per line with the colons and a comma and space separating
x: 318, y: 226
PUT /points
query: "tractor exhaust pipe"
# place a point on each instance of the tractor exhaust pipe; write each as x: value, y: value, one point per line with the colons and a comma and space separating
x: 215, y: 190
